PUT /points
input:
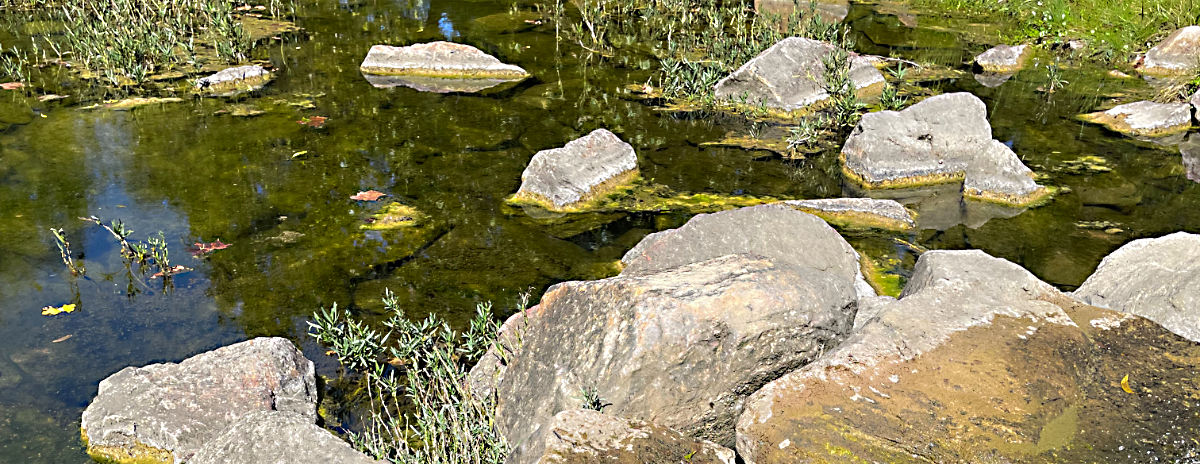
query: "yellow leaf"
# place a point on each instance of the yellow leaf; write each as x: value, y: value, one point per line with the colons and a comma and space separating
x: 51, y: 310
x: 1125, y: 384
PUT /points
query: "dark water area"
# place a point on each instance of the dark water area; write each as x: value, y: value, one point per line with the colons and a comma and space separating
x: 279, y: 193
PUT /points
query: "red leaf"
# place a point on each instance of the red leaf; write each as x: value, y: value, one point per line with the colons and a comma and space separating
x: 200, y: 248
x: 369, y: 195
x: 315, y: 122
x: 11, y: 85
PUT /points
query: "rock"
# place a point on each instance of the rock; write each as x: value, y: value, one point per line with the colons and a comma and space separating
x: 1004, y: 58
x: 992, y: 80
x: 1145, y: 118
x: 1190, y: 152
x: 979, y: 361
x: 791, y: 75
x: 234, y: 80
x: 679, y: 347
x: 1178, y: 53
x: 858, y: 212
x: 939, y: 206
x: 591, y: 166
x: 270, y: 437
x: 1158, y: 279
x: 438, y: 60
x: 1195, y: 102
x: 436, y: 84
x: 167, y: 412
x: 943, y: 138
x: 584, y: 436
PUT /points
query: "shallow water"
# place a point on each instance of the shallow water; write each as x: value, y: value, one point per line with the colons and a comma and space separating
x: 296, y: 241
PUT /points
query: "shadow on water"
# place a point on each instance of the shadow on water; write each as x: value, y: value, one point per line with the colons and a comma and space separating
x: 278, y: 192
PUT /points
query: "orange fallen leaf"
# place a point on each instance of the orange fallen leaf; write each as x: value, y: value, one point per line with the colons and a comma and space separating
x: 61, y: 339
x: 11, y: 85
x: 315, y: 122
x: 369, y: 195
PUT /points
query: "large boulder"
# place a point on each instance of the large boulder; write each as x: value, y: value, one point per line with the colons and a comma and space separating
x: 167, y: 412
x: 858, y: 212
x: 1004, y: 59
x: 1176, y: 54
x: 277, y: 437
x: 944, y: 138
x: 1145, y: 118
x: 680, y: 347
x: 979, y: 361
x: 437, y: 67
x: 586, y: 168
x: 1158, y: 279
x: 791, y: 75
x: 584, y: 436
x: 230, y: 81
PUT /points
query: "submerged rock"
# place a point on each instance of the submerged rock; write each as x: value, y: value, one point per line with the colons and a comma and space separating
x: 992, y: 80
x: 979, y: 361
x: 1145, y: 118
x: 437, y: 67
x: 944, y: 138
x: 858, y: 212
x: 234, y: 80
x: 265, y: 437
x: 1178, y: 53
x: 790, y: 76
x: 586, y: 168
x: 1004, y: 58
x: 1158, y: 279
x: 679, y: 347
x: 167, y: 412
x: 1189, y: 150
x: 584, y: 436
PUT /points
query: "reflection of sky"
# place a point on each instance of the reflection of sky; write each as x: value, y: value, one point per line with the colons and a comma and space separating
x: 447, y: 27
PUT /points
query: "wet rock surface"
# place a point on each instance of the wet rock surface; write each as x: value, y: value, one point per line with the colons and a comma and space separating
x: 268, y: 437
x: 1145, y: 118
x: 1175, y: 54
x: 169, y: 411
x: 586, y: 168
x: 587, y: 436
x: 1189, y: 151
x: 790, y: 75
x: 979, y: 361
x: 438, y: 60
x: 1158, y: 279
x: 941, y: 139
x: 861, y: 212
x: 234, y: 80
x: 1003, y: 58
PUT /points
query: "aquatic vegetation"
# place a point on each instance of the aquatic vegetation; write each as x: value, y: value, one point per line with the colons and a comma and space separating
x: 415, y: 376
x: 891, y: 99
x: 64, y: 250
x: 147, y: 255
x: 843, y: 98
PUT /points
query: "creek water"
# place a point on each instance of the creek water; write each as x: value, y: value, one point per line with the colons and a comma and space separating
x: 279, y: 193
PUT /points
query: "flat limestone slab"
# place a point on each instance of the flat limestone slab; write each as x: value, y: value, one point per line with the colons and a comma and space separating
x: 1004, y: 59
x: 230, y: 81
x: 438, y: 59
x: 790, y: 76
x: 861, y: 212
x: 1145, y: 118
x: 585, y: 168
x: 1176, y: 54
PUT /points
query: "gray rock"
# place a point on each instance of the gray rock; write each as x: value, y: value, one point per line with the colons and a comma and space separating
x: 276, y: 437
x: 1145, y: 118
x: 434, y: 84
x: 1158, y: 279
x: 680, y: 347
x: 233, y: 80
x: 1004, y: 58
x: 791, y: 75
x: 585, y: 436
x: 941, y: 139
x: 438, y: 59
x: 1178, y: 53
x: 586, y: 168
x: 992, y: 80
x: 1195, y: 102
x: 868, y: 212
x: 169, y: 411
x: 1189, y: 150
x: 939, y: 206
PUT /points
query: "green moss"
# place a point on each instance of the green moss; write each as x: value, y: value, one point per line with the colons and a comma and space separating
x: 858, y: 220
x: 137, y: 454
x: 884, y: 283
x: 445, y: 73
x: 396, y: 216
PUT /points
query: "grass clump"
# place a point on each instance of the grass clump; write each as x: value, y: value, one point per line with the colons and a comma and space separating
x: 414, y: 373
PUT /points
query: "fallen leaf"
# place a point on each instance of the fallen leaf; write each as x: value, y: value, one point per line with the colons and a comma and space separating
x: 315, y: 122
x: 369, y: 195
x: 200, y: 248
x: 51, y: 97
x: 1125, y: 384
x: 174, y: 270
x: 61, y: 339
x: 51, y: 310
x: 11, y: 85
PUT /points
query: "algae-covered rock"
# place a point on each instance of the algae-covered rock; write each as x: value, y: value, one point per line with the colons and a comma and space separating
x: 584, y: 436
x: 1158, y: 279
x: 858, y: 212
x: 945, y: 138
x: 396, y: 215
x: 1145, y: 118
x: 438, y: 59
x: 979, y: 361
x: 437, y: 84
x: 1176, y: 54
x: 265, y: 437
x: 1004, y: 58
x: 586, y: 168
x: 131, y: 103
x: 790, y: 76
x: 1189, y: 151
x: 234, y: 80
x: 167, y: 412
